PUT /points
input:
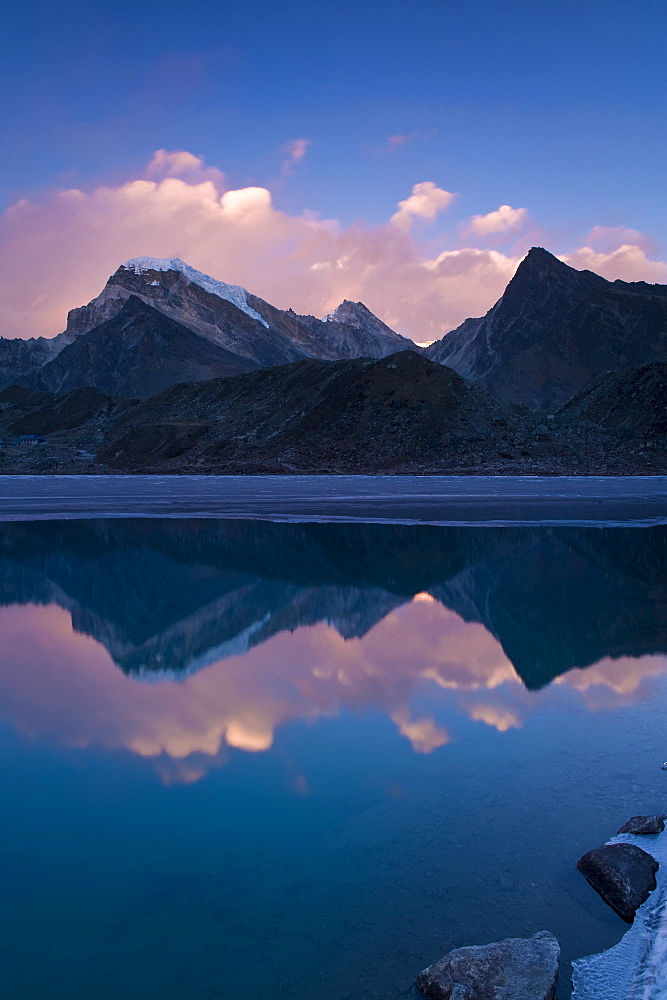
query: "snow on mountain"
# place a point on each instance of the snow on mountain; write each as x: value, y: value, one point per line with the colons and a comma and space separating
x: 235, y: 294
x: 359, y: 316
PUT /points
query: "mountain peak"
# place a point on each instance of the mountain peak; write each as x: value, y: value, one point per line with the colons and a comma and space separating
x: 349, y: 312
x: 554, y: 330
x: 235, y: 294
x: 359, y: 316
x: 540, y: 274
x: 540, y: 260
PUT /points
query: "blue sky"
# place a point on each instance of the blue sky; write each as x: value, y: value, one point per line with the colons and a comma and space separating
x: 556, y: 107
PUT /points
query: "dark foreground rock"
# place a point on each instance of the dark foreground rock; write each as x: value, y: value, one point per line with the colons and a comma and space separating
x: 400, y: 414
x: 622, y: 874
x: 643, y: 824
x: 514, y: 969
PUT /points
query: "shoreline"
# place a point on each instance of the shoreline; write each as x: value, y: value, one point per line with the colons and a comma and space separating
x: 437, y: 500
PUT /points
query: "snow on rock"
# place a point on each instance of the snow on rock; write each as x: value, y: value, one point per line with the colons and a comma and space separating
x: 356, y: 314
x: 235, y: 294
x: 635, y: 968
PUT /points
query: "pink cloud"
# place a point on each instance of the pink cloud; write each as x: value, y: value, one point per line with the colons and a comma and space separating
x: 296, y: 150
x: 56, y: 253
x: 503, y: 220
x: 628, y: 262
x: 180, y: 163
x: 59, y: 684
x: 398, y: 140
x: 426, y: 202
x: 609, y: 238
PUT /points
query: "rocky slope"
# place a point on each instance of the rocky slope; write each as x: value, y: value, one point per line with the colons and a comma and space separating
x: 359, y: 415
x: 554, y: 330
x: 22, y: 357
x: 401, y: 414
x: 631, y: 403
x: 137, y: 353
x: 27, y: 411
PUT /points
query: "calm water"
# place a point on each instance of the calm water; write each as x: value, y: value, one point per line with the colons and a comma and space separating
x: 245, y: 759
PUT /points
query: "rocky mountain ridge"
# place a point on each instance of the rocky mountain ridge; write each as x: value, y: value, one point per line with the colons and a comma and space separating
x: 137, y: 353
x: 554, y: 330
x: 191, y: 327
x: 232, y: 317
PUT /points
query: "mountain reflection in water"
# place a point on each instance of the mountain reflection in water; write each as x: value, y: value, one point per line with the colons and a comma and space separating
x: 172, y: 596
x: 389, y: 607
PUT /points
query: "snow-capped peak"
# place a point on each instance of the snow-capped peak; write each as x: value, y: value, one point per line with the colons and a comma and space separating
x: 358, y: 315
x: 235, y: 294
x: 344, y: 312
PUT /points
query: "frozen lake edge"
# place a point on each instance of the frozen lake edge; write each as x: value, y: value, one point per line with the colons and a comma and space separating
x: 434, y: 500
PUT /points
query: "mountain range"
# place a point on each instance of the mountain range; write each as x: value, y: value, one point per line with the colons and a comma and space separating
x: 567, y: 372
x: 554, y: 331
x: 158, y: 322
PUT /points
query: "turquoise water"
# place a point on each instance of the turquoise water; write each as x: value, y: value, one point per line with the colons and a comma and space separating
x: 244, y: 759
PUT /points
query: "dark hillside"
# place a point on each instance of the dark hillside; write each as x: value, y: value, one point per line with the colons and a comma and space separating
x: 362, y: 415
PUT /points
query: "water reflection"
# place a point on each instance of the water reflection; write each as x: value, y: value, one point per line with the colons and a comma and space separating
x: 453, y: 717
x: 172, y: 596
x: 249, y: 625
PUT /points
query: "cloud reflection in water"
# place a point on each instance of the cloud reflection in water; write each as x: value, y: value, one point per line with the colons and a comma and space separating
x: 62, y: 686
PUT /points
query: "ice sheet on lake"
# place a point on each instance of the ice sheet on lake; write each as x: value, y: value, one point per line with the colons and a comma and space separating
x: 438, y: 500
x: 635, y: 968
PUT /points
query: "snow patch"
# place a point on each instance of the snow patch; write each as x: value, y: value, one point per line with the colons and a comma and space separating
x: 635, y: 968
x: 235, y: 294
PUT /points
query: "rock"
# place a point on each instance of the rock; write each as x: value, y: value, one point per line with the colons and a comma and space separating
x: 622, y: 874
x: 514, y: 969
x: 644, y: 824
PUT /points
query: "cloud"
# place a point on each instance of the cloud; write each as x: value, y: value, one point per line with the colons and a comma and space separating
x: 296, y: 150
x: 424, y: 734
x: 503, y: 220
x: 501, y: 718
x: 395, y: 142
x: 398, y: 140
x: 180, y: 163
x: 57, y: 252
x: 426, y: 202
x: 628, y: 262
x: 626, y: 676
x: 60, y: 684
x: 609, y: 238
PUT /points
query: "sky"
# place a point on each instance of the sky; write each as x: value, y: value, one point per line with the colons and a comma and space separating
x: 407, y: 154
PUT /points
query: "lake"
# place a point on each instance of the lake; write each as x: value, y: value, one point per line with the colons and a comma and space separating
x: 303, y: 746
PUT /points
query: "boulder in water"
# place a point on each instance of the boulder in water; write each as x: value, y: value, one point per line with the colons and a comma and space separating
x: 643, y: 824
x: 622, y: 874
x: 516, y: 969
